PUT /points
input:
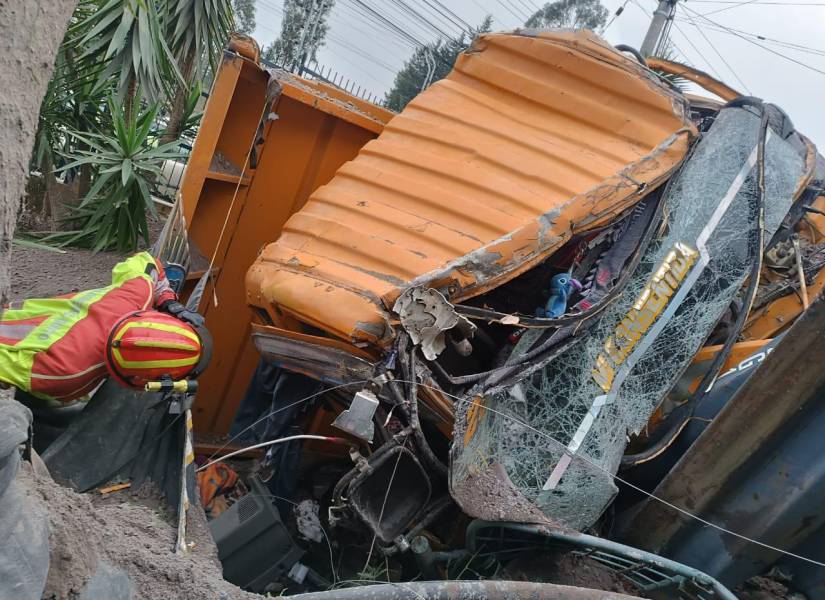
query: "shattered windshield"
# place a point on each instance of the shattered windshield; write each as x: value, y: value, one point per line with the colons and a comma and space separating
x: 605, y: 387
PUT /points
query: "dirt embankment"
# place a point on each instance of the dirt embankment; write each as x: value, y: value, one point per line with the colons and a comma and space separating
x: 127, y: 534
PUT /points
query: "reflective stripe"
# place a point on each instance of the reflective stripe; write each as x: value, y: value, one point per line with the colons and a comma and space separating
x: 167, y: 345
x: 153, y: 364
x: 72, y: 376
x: 15, y: 332
x: 179, y: 329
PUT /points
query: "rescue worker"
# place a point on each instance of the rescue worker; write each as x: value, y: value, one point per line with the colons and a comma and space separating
x: 134, y: 330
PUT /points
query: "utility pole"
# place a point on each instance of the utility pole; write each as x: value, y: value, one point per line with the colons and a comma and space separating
x: 663, y: 13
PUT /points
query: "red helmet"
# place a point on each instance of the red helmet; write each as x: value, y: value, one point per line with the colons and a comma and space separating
x: 148, y: 345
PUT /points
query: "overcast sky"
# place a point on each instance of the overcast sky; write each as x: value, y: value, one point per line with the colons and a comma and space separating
x: 370, y: 55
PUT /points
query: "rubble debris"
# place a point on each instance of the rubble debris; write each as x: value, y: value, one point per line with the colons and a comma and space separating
x: 308, y: 522
x: 221, y: 164
x: 765, y: 588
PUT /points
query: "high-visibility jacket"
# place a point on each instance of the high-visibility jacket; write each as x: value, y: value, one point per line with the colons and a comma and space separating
x: 53, y: 348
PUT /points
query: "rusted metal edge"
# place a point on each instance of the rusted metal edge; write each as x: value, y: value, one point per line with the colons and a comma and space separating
x: 700, y: 78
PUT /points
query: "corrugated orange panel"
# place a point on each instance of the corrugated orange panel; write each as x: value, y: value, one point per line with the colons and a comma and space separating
x: 530, y: 139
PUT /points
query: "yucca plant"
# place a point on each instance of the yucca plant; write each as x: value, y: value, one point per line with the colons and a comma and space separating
x: 126, y: 164
x: 129, y: 38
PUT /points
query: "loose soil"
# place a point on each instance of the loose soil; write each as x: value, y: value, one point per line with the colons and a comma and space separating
x: 567, y: 569
x: 37, y: 273
x: 764, y: 588
x: 125, y: 532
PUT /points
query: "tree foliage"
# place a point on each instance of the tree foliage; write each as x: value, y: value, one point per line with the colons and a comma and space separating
x: 199, y: 29
x: 128, y: 38
x: 569, y: 14
x: 149, y: 57
x: 126, y: 161
x: 244, y: 16
x: 428, y: 64
x: 303, y: 30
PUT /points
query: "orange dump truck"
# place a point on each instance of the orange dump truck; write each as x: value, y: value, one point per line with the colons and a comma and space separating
x: 530, y: 296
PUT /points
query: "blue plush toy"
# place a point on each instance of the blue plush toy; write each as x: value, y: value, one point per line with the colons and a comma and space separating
x: 561, y: 286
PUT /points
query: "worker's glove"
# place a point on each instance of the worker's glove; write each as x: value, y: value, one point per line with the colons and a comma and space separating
x: 176, y: 309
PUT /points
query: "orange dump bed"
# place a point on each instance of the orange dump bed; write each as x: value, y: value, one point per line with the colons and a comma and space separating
x: 533, y: 137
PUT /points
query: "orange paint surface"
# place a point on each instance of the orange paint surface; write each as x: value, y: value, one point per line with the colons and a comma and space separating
x: 528, y: 141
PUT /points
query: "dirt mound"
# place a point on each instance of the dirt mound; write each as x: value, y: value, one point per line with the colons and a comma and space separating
x: 129, y: 536
x: 567, y: 569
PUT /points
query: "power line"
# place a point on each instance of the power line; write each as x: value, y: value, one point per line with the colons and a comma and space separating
x: 511, y: 9
x: 377, y: 16
x: 447, y: 14
x: 336, y: 40
x: 496, y: 19
x: 730, y: 7
x: 618, y: 12
x: 758, y: 2
x: 644, y: 10
x: 381, y: 28
x: 530, y: 9
x: 782, y: 43
x: 758, y: 45
x: 719, y: 54
x: 699, y: 52
x: 417, y: 15
x: 408, y: 18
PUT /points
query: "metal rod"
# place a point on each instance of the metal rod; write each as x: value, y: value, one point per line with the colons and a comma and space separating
x: 803, y: 286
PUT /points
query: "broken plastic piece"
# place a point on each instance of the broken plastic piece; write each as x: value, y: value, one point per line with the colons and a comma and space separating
x: 357, y: 419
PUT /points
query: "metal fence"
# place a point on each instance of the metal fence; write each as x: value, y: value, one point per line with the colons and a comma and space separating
x: 319, y: 72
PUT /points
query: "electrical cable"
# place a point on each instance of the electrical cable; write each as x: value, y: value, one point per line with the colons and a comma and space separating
x: 380, y: 28
x: 699, y: 52
x: 616, y: 14
x: 758, y: 45
x: 443, y: 7
x: 511, y: 11
x: 760, y: 2
x: 782, y: 43
x: 417, y: 15
x: 434, y: 13
x: 399, y: 12
x: 384, y: 504
x: 575, y: 457
x: 719, y: 54
x: 303, y: 436
x: 729, y: 7
x: 644, y: 10
x: 377, y: 16
x: 277, y: 410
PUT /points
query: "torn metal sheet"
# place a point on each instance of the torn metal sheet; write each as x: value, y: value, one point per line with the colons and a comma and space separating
x: 533, y: 138
x: 426, y: 315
